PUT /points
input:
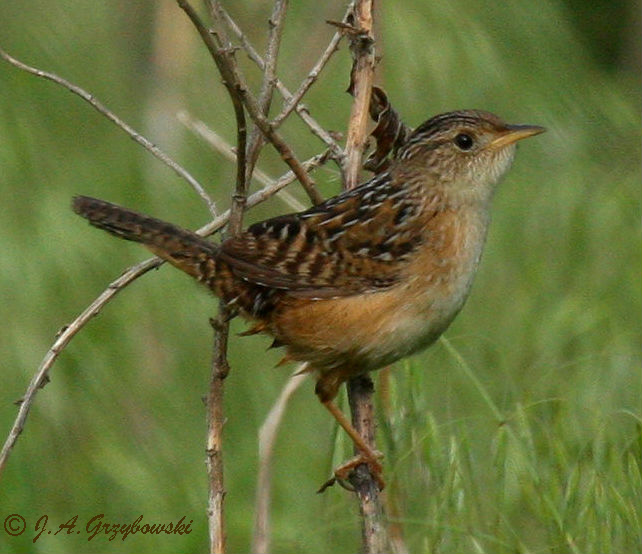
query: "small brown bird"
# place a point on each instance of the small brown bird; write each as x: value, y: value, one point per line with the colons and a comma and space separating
x: 367, y: 277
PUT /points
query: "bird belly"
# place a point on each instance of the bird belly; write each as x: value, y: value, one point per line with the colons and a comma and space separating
x: 365, y: 332
x: 417, y: 321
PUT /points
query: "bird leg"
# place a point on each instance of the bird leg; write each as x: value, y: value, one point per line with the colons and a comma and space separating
x: 368, y: 454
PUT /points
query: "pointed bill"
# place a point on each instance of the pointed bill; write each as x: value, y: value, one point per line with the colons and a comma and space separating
x: 513, y: 133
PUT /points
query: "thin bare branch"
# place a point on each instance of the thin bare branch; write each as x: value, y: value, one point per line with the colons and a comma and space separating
x: 62, y: 340
x: 135, y: 135
x: 223, y: 58
x: 221, y: 326
x: 294, y: 100
x: 215, y: 422
x: 263, y: 194
x: 267, y: 439
x: 361, y: 80
x: 276, y: 21
x: 301, y: 110
x: 226, y: 64
x: 220, y: 145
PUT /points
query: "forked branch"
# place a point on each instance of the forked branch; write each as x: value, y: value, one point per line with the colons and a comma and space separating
x: 300, y: 109
x: 226, y: 64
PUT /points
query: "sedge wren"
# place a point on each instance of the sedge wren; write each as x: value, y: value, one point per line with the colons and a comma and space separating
x: 367, y: 277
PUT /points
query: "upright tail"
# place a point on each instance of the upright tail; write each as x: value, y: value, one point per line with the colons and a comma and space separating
x: 180, y: 247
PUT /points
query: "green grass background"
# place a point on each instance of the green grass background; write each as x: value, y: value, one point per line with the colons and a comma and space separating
x: 521, y: 434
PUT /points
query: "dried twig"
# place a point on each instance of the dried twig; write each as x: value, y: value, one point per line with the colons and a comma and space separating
x: 246, y: 157
x: 294, y: 100
x: 301, y: 110
x: 361, y: 80
x: 220, y: 365
x: 215, y: 422
x: 360, y: 389
x: 221, y: 145
x: 267, y: 438
x: 374, y: 533
x: 226, y: 64
x: 135, y: 135
x: 269, y: 79
x: 63, y: 337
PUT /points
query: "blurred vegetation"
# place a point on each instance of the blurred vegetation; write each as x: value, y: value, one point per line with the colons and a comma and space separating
x: 523, y: 433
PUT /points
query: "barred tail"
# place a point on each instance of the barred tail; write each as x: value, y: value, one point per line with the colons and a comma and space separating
x: 180, y: 247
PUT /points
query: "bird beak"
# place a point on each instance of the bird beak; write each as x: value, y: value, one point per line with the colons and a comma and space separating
x: 513, y: 133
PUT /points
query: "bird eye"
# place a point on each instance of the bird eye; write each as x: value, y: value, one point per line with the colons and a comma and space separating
x: 464, y: 141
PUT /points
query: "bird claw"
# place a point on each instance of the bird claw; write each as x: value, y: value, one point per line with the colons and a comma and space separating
x: 343, y: 472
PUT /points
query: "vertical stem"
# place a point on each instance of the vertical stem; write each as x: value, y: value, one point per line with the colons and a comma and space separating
x: 374, y: 535
x: 361, y: 80
x: 222, y: 54
x: 360, y: 389
x: 215, y: 420
x: 220, y: 365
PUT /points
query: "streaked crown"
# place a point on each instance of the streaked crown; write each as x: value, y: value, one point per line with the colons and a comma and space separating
x: 468, y: 149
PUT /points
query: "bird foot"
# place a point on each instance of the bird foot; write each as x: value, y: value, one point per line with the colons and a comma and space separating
x: 344, y: 472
